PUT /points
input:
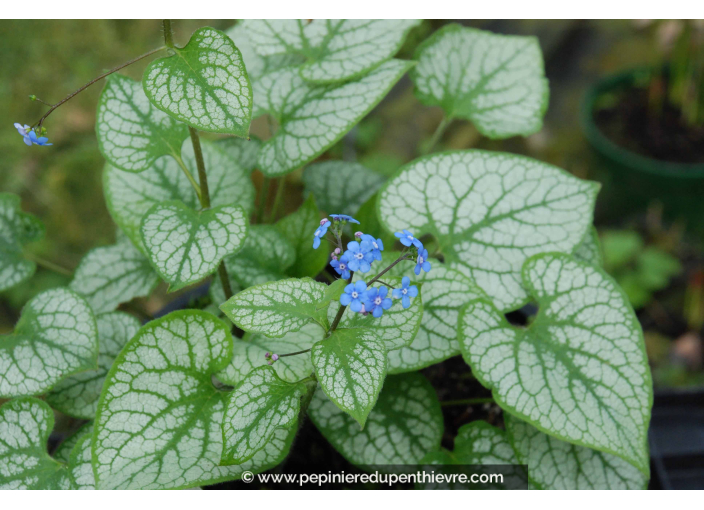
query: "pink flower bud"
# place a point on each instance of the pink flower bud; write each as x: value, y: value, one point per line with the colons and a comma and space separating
x: 334, y: 257
x: 274, y: 357
x: 358, y: 233
x: 270, y: 362
x: 323, y: 221
x: 337, y: 251
x: 267, y: 355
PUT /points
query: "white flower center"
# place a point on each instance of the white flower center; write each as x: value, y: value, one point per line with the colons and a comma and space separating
x: 410, y: 237
x: 376, y: 246
x: 317, y: 233
x: 359, y: 255
x: 377, y: 301
x: 420, y: 259
x: 355, y: 295
x: 405, y: 291
x: 343, y: 266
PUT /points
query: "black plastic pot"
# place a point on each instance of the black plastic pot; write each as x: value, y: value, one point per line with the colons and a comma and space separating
x: 676, y: 439
x: 630, y: 180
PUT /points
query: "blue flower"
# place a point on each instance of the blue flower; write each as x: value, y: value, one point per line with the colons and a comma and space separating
x: 355, y: 295
x: 341, y: 267
x: 407, y: 239
x: 24, y: 132
x: 344, y: 217
x: 320, y: 232
x: 422, y: 261
x: 38, y: 141
x: 377, y: 301
x: 405, y: 293
x: 359, y: 256
x: 377, y: 245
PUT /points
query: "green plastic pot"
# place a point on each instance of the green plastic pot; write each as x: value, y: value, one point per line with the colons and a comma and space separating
x: 631, y: 181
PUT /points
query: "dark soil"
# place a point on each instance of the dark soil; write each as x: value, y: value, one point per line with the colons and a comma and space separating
x: 667, y: 137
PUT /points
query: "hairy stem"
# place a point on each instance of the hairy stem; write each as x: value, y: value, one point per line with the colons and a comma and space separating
x: 205, y: 203
x: 439, y: 131
x: 84, y: 87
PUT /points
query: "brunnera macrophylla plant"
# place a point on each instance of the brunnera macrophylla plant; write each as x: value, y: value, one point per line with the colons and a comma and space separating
x: 420, y: 267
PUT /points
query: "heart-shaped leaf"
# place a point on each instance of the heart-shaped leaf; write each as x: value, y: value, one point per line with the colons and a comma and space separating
x: 496, y: 81
x: 110, y: 275
x: 248, y: 355
x: 477, y: 443
x: 78, y: 394
x: 555, y: 464
x: 129, y: 196
x: 132, y: 133
x: 55, y: 337
x: 396, y: 328
x: 445, y: 291
x: 404, y: 426
x: 336, y: 50
x: 341, y: 187
x: 16, y: 229
x: 298, y: 228
x: 158, y: 424
x: 261, y: 404
x: 186, y: 246
x: 276, y: 308
x: 203, y: 84
x: 313, y: 119
x: 25, y: 425
x: 489, y: 212
x: 351, y: 367
x: 579, y: 372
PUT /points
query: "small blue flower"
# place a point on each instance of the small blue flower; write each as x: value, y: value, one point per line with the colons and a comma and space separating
x: 359, y: 256
x: 344, y: 217
x: 38, y: 141
x: 377, y: 301
x: 422, y: 261
x: 341, y: 267
x: 24, y: 132
x: 377, y: 245
x: 405, y: 293
x: 407, y: 239
x: 320, y: 232
x: 355, y: 295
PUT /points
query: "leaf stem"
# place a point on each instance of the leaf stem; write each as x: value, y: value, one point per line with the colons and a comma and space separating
x: 84, y: 87
x: 168, y: 34
x: 467, y: 402
x: 189, y: 175
x: 277, y: 199
x: 404, y: 256
x: 439, y: 131
x: 341, y: 310
x: 200, y: 164
x: 263, y: 195
x: 294, y: 354
x: 386, y: 284
x: 48, y: 264
x: 205, y: 203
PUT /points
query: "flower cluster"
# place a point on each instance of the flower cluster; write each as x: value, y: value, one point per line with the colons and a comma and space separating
x: 30, y: 136
x: 360, y: 255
